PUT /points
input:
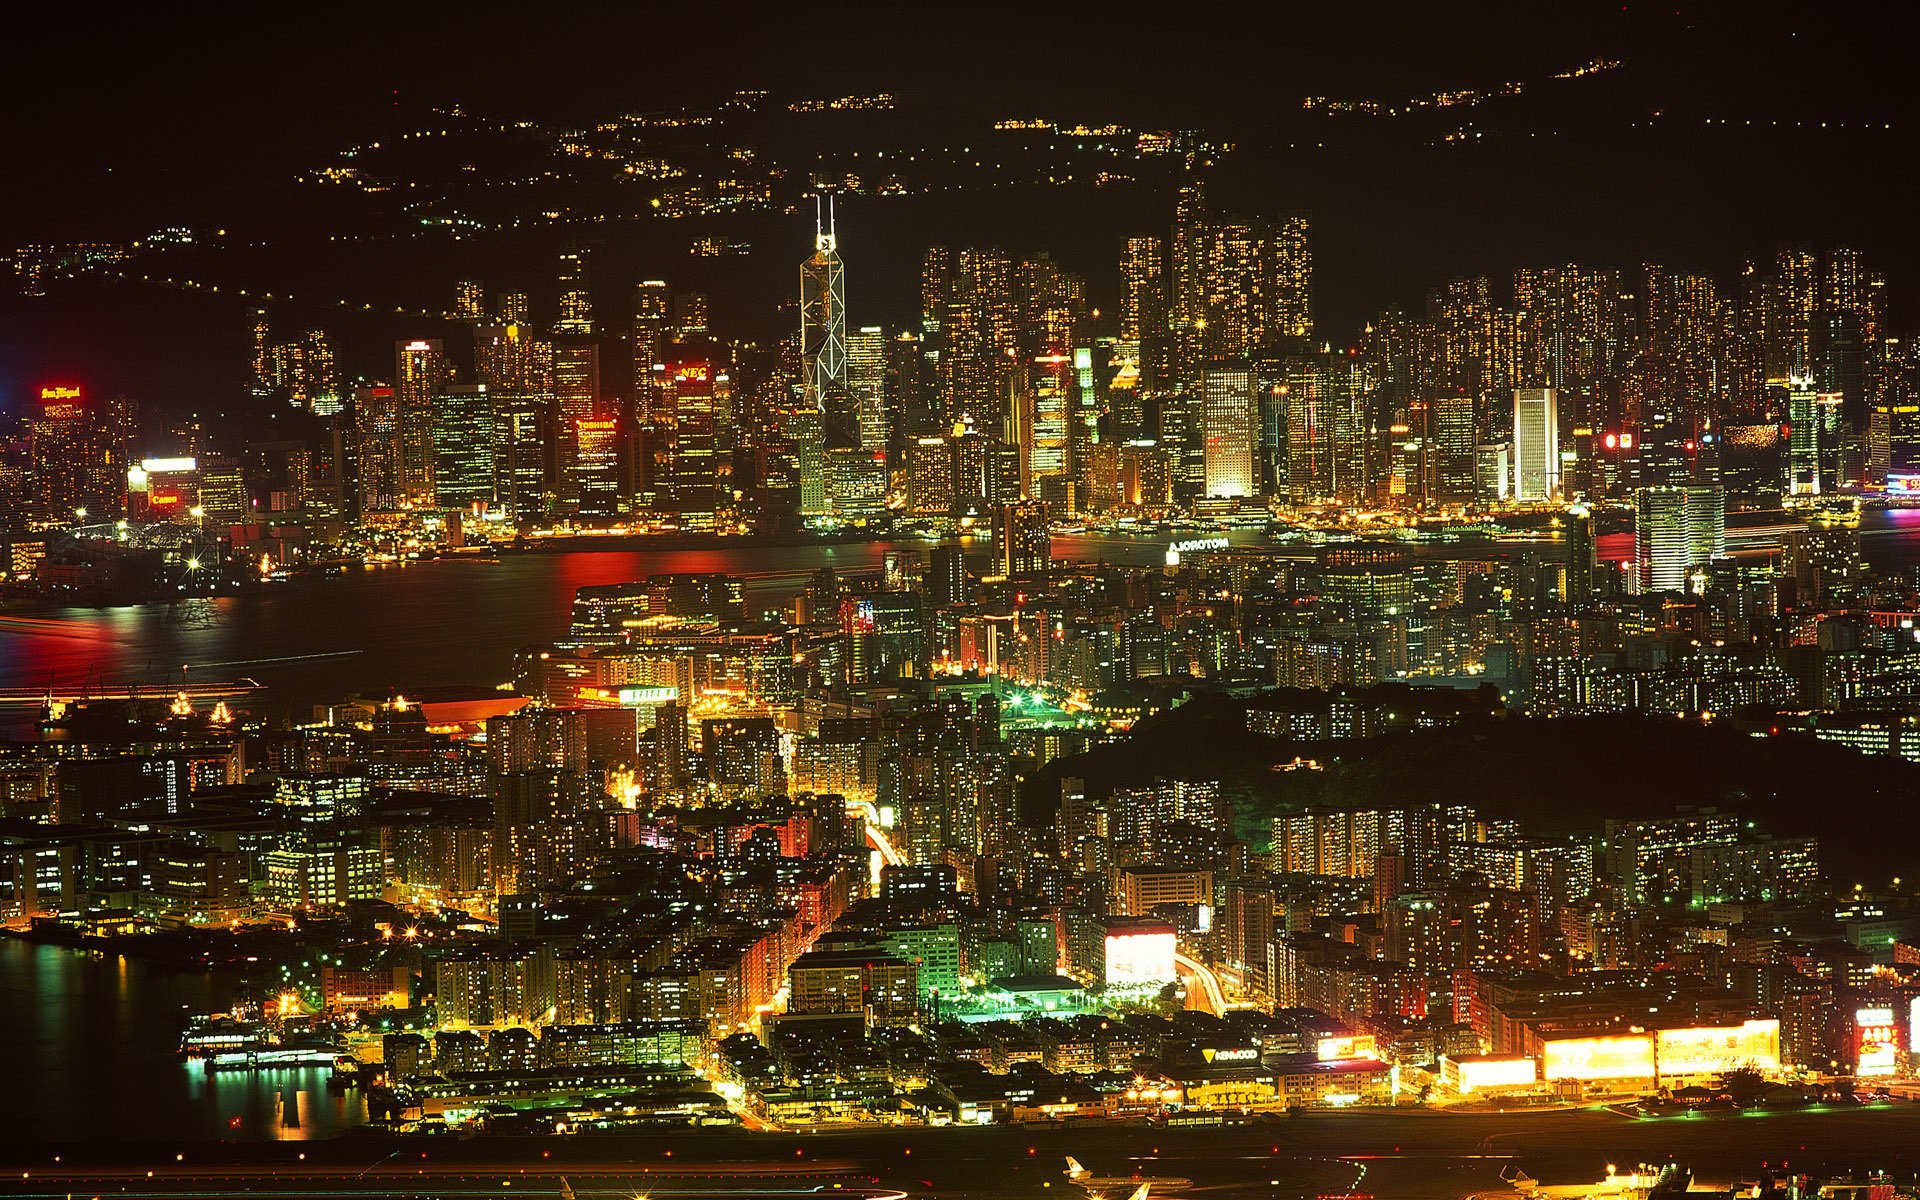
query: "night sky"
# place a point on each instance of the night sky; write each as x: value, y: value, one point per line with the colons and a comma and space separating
x: 125, y: 121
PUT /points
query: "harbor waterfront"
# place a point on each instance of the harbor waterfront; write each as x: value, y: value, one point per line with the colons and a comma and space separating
x: 86, y: 1032
x: 457, y: 622
x: 424, y: 624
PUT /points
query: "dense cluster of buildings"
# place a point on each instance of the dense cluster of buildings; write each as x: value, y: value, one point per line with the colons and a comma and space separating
x: 815, y: 857
x: 819, y: 862
x: 1207, y: 390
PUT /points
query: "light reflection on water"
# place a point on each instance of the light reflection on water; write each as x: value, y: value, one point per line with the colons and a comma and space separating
x: 93, y: 1052
x: 422, y: 625
x: 459, y: 622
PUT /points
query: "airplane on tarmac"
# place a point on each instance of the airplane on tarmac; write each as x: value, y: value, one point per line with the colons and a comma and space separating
x: 1088, y: 1180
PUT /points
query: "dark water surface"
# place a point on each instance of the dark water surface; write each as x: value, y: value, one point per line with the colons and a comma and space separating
x: 93, y: 1053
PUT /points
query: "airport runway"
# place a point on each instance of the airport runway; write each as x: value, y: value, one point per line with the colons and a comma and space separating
x: 1407, y: 1155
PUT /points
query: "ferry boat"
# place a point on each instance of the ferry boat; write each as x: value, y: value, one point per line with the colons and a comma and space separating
x: 222, y: 1033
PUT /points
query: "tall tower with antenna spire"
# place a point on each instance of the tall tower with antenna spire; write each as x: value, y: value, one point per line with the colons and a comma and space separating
x: 823, y: 360
x: 823, y: 310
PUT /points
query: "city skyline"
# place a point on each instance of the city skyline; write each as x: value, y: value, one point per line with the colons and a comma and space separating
x: 1401, y: 208
x: 1153, y: 602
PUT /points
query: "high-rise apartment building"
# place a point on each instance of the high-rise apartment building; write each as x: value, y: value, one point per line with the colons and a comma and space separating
x: 420, y: 371
x: 1227, y: 401
x: 1676, y: 530
x: 1026, y: 544
x: 1536, y: 444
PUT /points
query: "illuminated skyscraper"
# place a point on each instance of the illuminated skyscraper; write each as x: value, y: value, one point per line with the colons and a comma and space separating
x: 1143, y: 310
x: 1581, y: 559
x: 1326, y: 430
x: 936, y: 278
x: 1893, y: 440
x: 576, y: 398
x: 597, y: 466
x: 690, y: 314
x: 1053, y: 305
x: 1677, y: 529
x: 304, y: 372
x: 823, y: 311
x: 979, y: 325
x: 1045, y: 408
x: 688, y: 412
x: 77, y: 456
x: 377, y: 451
x: 470, y: 301
x: 261, y: 332
x: 1790, y: 317
x: 930, y: 477
x: 1536, y: 444
x: 1814, y: 437
x: 463, y: 473
x: 867, y: 380
x: 1451, y: 417
x: 520, y: 424
x: 1226, y: 392
x: 507, y: 359
x: 1026, y: 544
x: 806, y: 431
x: 826, y: 385
x: 909, y: 391
x: 1239, y: 286
x: 856, y: 430
x: 420, y: 371
x: 576, y: 300
x: 652, y: 306
x: 1289, y: 271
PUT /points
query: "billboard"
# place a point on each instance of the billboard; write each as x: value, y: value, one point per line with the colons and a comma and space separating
x: 1716, y: 1049
x: 1488, y: 1071
x: 1876, y: 1042
x: 636, y: 697
x: 1903, y: 483
x: 1142, y: 956
x: 1351, y: 1045
x: 1620, y: 1056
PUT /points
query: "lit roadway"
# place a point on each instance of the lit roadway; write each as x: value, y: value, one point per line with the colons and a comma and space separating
x: 876, y: 836
x: 1215, y: 999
